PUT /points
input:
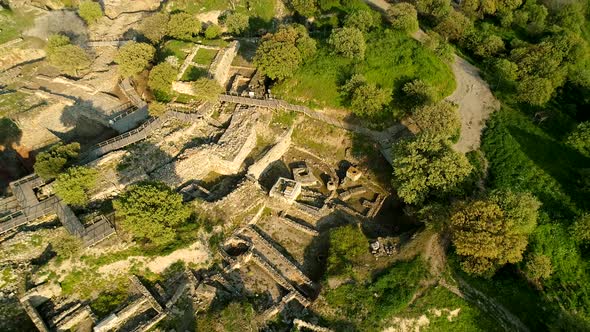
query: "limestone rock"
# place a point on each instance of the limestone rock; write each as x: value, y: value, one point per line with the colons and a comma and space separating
x: 114, y: 8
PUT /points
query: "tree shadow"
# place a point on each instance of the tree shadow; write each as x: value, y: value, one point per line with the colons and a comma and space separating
x: 11, y: 166
x: 558, y: 160
x: 88, y: 124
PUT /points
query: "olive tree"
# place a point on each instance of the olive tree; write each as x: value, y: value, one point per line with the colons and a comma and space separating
x: 282, y: 53
x: 441, y: 119
x: 68, y: 58
x: 73, y: 185
x: 366, y: 99
x: 49, y: 164
x: 134, y: 57
x: 426, y: 164
x: 160, y: 80
x: 404, y: 17
x: 151, y: 211
x: 90, y: 11
x: 348, y: 42
x: 183, y: 26
x: 237, y: 23
x: 155, y: 27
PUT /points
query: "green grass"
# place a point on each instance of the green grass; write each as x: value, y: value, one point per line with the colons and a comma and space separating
x: 199, y: 6
x: 391, y: 60
x: 470, y: 318
x: 204, y: 56
x: 192, y: 73
x: 176, y: 48
x: 12, y: 24
x: 17, y: 102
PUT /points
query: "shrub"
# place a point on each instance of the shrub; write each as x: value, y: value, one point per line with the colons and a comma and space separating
x: 348, y: 42
x: 282, y: 53
x: 160, y: 80
x: 213, y: 31
x: 183, y: 26
x: 426, y: 164
x: 404, y: 17
x: 51, y: 163
x: 73, y: 186
x: 68, y: 58
x: 155, y: 27
x: 134, y: 57
x: 90, y: 11
x: 151, y: 212
x: 237, y: 23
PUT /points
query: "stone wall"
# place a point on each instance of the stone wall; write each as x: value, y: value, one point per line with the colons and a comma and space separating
x: 274, y: 154
x: 222, y: 63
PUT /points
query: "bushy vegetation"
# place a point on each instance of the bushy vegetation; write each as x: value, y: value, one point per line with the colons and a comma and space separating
x: 234, y: 317
x: 367, y: 306
x: 90, y: 11
x: 348, y: 42
x: 319, y: 82
x: 68, y: 58
x: 49, y: 164
x: 160, y: 81
x: 151, y: 212
x: 74, y: 185
x: 133, y: 58
x: 282, y: 53
x: 183, y: 26
x: 155, y: 27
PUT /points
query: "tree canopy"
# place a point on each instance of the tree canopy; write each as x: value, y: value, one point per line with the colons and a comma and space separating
x: 160, y: 80
x: 90, y: 11
x: 237, y: 23
x: 183, y: 26
x: 579, y: 139
x: 426, y: 164
x: 151, y: 212
x: 134, y: 57
x: 348, y: 42
x: 155, y: 27
x: 441, y: 119
x: 213, y: 31
x: 491, y: 232
x: 363, y: 19
x: 366, y: 99
x: 307, y: 8
x: 68, y: 58
x: 282, y: 53
x: 49, y: 164
x: 404, y: 17
x: 73, y: 185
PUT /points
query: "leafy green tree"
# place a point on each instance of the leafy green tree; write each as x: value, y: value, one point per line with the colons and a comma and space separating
x: 404, y: 17
x: 364, y: 19
x: 90, y: 11
x: 183, y: 26
x: 532, y: 17
x: 206, y: 89
x: 489, y: 46
x: 282, y: 53
x: 426, y: 164
x: 440, y: 119
x: 68, y: 58
x: 454, y: 26
x: 348, y: 42
x: 307, y: 8
x: 490, y: 233
x: 49, y: 164
x: 579, y: 139
x: 151, y: 212
x: 155, y: 27
x: 73, y: 185
x: 134, y: 57
x: 581, y: 228
x: 366, y: 99
x: 213, y: 31
x: 160, y: 80
x: 418, y: 93
x: 237, y: 23
x: 571, y: 16
x: 505, y: 70
x: 326, y: 5
x: 534, y: 90
x: 435, y: 9
x: 538, y: 267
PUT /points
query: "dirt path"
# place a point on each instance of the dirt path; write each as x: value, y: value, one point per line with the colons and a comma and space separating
x: 476, y: 101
